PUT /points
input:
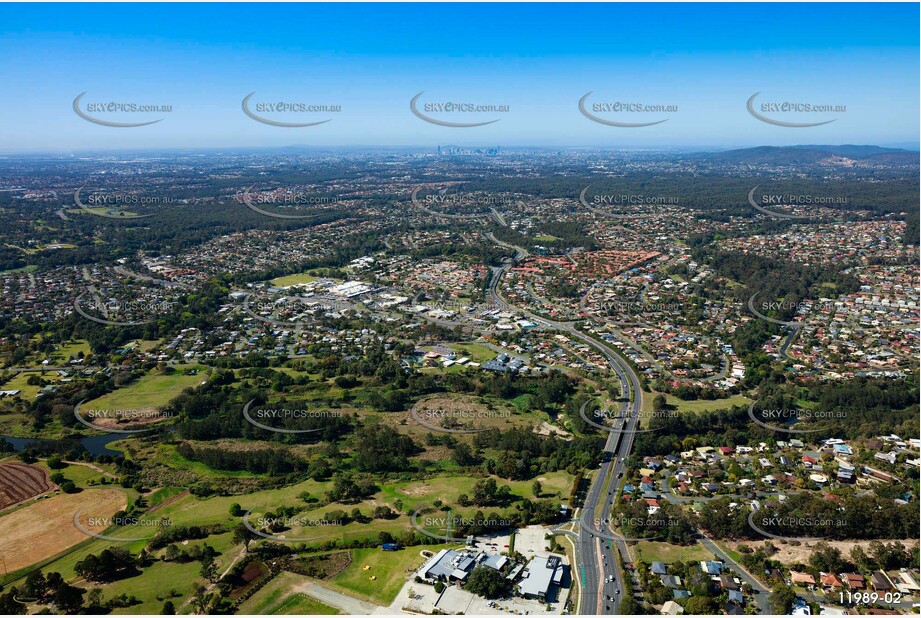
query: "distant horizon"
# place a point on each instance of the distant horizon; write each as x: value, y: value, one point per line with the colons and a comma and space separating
x: 424, y: 147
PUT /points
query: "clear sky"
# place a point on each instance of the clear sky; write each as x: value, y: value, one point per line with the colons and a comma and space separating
x: 539, y: 59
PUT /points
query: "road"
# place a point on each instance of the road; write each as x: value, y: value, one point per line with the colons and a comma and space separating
x: 602, y: 584
x: 762, y: 597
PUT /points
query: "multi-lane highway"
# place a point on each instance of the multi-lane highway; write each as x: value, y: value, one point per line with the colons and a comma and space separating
x: 597, y: 547
x: 597, y: 569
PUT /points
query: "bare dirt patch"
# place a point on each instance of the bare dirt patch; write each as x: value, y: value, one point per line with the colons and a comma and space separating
x: 46, y: 528
x: 799, y: 554
x: 19, y: 481
x: 461, y: 413
x: 124, y: 419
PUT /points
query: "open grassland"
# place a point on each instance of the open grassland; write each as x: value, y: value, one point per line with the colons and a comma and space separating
x: 44, y: 529
x: 386, y: 573
x: 162, y: 579
x: 277, y: 598
x: 81, y: 475
x: 702, y: 405
x: 149, y: 392
x: 192, y: 510
x: 654, y: 551
x: 293, y: 280
x: 21, y: 382
x: 70, y: 349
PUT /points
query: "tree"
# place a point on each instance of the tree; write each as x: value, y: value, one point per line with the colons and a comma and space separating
x: 537, y: 489
x: 201, y: 599
x: 94, y: 598
x: 827, y: 558
x: 9, y: 606
x: 168, y: 609
x: 627, y: 605
x: 488, y: 583
x: 236, y: 510
x: 208, y: 568
x: 859, y: 558
x: 69, y: 599
x: 172, y: 553
x: 700, y: 605
x: 463, y: 455
x: 242, y: 534
x: 485, y: 492
x: 782, y: 599
x: 35, y: 586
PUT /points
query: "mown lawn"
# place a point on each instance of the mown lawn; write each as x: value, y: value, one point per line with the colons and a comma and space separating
x: 150, y: 391
x: 654, y: 551
x: 704, y: 406
x: 388, y: 571
x: 277, y: 598
x: 293, y: 280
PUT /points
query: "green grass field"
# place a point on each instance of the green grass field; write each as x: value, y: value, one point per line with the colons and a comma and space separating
x: 293, y: 279
x: 277, y: 599
x: 70, y: 349
x: 80, y: 475
x: 153, y: 587
x: 654, y: 551
x: 20, y: 382
x: 412, y: 494
x: 31, y: 268
x: 391, y: 569
x: 150, y: 391
x: 705, y: 406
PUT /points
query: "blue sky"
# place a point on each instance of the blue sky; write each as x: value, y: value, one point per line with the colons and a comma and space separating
x: 538, y: 59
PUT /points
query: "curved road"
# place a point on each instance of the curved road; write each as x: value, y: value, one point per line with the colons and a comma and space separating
x: 598, y: 567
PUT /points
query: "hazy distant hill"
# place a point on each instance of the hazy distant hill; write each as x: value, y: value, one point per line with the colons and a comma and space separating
x: 812, y: 154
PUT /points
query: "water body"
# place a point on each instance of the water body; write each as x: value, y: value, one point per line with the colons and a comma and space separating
x: 95, y: 445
